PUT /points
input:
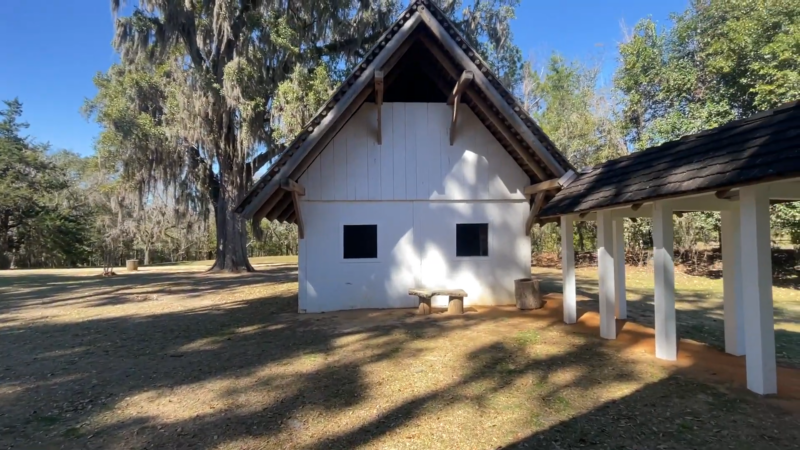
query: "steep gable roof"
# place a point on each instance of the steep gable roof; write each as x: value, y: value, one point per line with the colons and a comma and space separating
x: 452, y: 55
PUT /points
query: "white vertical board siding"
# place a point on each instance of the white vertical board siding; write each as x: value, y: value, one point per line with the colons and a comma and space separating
x: 334, y: 283
x: 488, y: 280
x: 416, y: 247
x: 387, y: 159
x: 416, y: 160
x: 416, y: 187
x: 398, y: 149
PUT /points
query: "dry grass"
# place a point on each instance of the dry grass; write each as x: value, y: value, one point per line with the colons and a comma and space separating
x: 698, y: 304
x: 182, y: 359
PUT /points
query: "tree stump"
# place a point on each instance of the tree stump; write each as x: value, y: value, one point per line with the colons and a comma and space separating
x: 455, y: 305
x: 527, y: 294
x: 132, y: 265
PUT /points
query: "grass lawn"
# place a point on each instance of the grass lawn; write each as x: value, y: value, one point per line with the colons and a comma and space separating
x: 698, y: 303
x: 176, y: 358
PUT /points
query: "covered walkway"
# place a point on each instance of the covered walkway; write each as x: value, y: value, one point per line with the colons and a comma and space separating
x: 739, y: 169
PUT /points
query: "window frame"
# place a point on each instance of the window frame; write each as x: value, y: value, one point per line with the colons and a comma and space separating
x: 377, y: 259
x: 488, y: 241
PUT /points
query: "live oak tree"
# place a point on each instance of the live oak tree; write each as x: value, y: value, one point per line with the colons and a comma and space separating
x: 224, y: 59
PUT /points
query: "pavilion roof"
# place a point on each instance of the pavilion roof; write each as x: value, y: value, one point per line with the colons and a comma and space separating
x: 760, y: 148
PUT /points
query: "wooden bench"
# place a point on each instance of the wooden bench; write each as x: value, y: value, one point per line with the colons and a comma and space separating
x: 454, y: 306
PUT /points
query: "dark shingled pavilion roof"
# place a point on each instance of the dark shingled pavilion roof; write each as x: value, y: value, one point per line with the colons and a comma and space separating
x: 760, y: 148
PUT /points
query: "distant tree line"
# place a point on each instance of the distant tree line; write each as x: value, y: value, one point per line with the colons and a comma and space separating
x: 206, y: 95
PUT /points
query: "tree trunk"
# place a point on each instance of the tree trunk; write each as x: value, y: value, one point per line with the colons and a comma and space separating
x: 231, y: 229
x: 147, y: 256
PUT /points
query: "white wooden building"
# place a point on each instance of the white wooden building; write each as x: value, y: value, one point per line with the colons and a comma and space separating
x: 413, y: 174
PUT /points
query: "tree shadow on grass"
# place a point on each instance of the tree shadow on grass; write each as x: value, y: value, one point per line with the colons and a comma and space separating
x: 57, y: 376
x: 34, y: 290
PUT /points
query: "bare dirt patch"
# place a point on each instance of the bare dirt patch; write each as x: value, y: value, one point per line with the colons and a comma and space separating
x: 167, y: 359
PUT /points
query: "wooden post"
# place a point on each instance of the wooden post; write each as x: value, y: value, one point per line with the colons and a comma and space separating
x: 379, y: 100
x: 759, y: 327
x: 538, y: 203
x: 424, y: 306
x: 455, y: 99
x: 568, y: 270
x: 620, y: 300
x: 733, y: 304
x: 663, y: 255
x: 605, y: 262
x: 455, y: 305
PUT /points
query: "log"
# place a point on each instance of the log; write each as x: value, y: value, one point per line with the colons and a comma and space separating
x: 455, y: 305
x: 527, y: 294
x: 132, y: 265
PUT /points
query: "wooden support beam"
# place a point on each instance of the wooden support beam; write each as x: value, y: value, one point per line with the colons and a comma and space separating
x: 287, y: 212
x: 726, y: 194
x: 541, y: 187
x: 290, y: 185
x: 301, y: 232
x: 620, y: 299
x: 567, y: 178
x: 461, y: 86
x: 274, y: 213
x: 759, y: 316
x: 605, y: 269
x: 455, y: 99
x: 664, y: 266
x: 483, y: 106
x: 732, y: 298
x: 379, y: 100
x: 538, y: 203
x: 568, y: 270
x: 480, y: 79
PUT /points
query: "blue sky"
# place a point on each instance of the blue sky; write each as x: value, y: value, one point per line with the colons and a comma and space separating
x: 51, y: 51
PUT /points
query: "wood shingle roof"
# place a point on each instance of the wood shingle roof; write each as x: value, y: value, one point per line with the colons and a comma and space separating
x: 760, y: 148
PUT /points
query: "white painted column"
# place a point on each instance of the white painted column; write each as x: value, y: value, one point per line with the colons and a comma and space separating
x: 605, y: 263
x: 620, y: 301
x: 732, y: 282
x: 569, y: 302
x: 666, y: 328
x: 756, y: 261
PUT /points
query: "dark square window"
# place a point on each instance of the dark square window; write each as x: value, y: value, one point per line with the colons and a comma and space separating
x: 472, y: 239
x: 360, y: 241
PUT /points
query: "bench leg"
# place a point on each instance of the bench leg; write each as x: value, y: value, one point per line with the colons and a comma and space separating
x: 455, y: 305
x: 424, y: 306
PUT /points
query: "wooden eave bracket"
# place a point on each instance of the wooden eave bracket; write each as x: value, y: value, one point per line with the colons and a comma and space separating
x: 379, y: 100
x: 727, y: 194
x: 455, y: 99
x: 555, y: 183
x: 538, y: 203
x: 296, y: 190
